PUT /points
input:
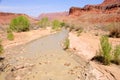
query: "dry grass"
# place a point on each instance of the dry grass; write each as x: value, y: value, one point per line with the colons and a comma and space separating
x: 114, y: 29
x: 1, y: 48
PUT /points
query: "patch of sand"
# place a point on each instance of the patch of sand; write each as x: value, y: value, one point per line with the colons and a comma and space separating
x: 24, y: 37
x: 87, y: 45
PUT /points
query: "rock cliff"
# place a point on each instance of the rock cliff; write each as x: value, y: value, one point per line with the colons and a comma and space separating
x: 107, y: 11
x: 108, y: 6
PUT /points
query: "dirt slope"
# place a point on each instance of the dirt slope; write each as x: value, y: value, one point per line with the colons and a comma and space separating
x: 5, y: 17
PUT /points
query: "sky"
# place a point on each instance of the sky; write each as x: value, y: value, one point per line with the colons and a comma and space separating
x: 36, y: 7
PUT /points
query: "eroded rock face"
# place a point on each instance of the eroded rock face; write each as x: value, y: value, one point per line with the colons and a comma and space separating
x: 104, y: 7
x: 105, y: 2
x: 108, y: 11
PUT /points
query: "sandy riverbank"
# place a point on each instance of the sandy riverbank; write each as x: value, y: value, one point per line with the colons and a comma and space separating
x: 86, y: 45
x: 24, y: 37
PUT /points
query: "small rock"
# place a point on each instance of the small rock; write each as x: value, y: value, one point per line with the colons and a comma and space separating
x: 18, y: 78
x: 67, y: 64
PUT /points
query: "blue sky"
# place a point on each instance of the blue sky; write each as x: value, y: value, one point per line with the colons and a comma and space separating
x: 36, y: 7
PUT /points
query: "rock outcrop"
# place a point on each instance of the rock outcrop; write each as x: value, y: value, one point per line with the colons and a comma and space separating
x: 105, y: 7
x: 108, y: 11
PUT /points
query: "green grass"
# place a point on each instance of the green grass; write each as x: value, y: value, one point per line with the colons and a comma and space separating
x: 10, y: 35
x: 117, y: 55
x: 114, y: 29
x: 79, y: 31
x: 66, y: 44
x: 57, y: 25
x: 1, y: 48
x: 105, y: 49
x: 44, y: 22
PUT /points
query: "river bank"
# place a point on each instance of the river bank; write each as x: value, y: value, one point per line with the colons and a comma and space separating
x: 43, y: 58
x: 87, y: 45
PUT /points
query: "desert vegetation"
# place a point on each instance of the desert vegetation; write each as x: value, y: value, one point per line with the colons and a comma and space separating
x: 20, y: 24
x: 56, y: 25
x: 114, y: 29
x: 66, y: 43
x: 116, y: 58
x: 105, y: 49
x: 1, y: 47
x: 79, y: 31
x: 10, y: 35
x: 44, y: 22
x: 107, y: 53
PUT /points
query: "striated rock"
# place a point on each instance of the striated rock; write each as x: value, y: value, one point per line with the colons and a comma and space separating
x: 105, y: 2
x: 75, y: 11
x: 105, y: 6
x: 108, y: 11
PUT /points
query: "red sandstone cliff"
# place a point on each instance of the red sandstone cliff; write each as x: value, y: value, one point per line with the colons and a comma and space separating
x: 105, y: 2
x: 106, y: 6
x: 110, y: 9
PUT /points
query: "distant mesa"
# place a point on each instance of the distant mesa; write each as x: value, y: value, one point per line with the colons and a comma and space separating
x: 52, y: 16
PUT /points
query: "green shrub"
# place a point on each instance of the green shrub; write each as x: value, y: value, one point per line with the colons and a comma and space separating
x: 56, y: 25
x: 10, y: 35
x: 1, y: 48
x: 62, y: 24
x: 117, y: 54
x: 114, y: 29
x: 20, y: 24
x: 105, y: 49
x: 79, y: 31
x: 44, y: 22
x: 66, y: 44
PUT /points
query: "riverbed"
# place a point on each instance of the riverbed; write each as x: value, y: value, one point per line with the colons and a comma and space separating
x: 43, y: 59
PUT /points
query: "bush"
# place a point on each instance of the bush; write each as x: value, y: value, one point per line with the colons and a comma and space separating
x: 63, y: 24
x: 10, y: 35
x: 20, y: 24
x: 117, y: 54
x: 114, y: 29
x: 56, y: 25
x: 1, y: 48
x: 66, y: 44
x: 44, y: 22
x: 79, y: 31
x: 105, y: 49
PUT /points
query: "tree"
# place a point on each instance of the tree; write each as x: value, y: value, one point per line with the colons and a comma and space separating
x: 44, y: 22
x: 56, y: 25
x: 20, y: 24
